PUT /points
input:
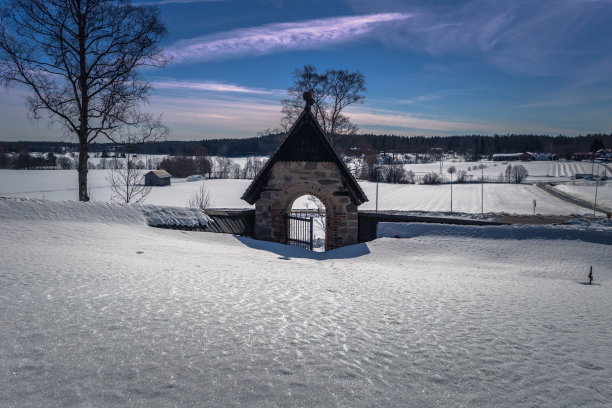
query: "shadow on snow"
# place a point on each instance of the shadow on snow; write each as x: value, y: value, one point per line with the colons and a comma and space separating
x: 288, y: 252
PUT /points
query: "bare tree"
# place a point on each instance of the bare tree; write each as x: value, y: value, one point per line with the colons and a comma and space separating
x: 518, y: 174
x: 126, y: 182
x: 224, y: 166
x: 80, y: 58
x: 200, y: 199
x: 332, y: 91
x: 394, y: 171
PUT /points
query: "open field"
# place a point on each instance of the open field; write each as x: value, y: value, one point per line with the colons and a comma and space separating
x: 538, y: 170
x: 61, y: 185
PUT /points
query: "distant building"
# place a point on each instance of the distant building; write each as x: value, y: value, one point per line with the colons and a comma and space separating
x: 157, y: 178
x: 512, y: 157
x: 583, y: 156
x: 605, y: 154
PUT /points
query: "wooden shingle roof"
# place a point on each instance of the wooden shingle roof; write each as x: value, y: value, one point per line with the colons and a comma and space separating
x: 305, y: 142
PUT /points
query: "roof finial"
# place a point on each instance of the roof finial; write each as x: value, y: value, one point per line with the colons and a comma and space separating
x: 309, y: 100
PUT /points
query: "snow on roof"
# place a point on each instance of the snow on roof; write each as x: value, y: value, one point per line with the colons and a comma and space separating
x: 507, y: 154
x: 160, y: 173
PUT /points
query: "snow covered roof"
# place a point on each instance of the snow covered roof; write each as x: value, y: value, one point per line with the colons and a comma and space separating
x: 160, y: 173
x: 508, y: 154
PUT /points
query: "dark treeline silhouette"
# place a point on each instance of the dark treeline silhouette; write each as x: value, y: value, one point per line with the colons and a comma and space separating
x: 467, y: 145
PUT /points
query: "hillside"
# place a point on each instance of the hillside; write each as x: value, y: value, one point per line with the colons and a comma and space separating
x: 114, y: 313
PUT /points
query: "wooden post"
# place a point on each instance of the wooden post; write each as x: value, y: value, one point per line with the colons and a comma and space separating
x: 311, y: 233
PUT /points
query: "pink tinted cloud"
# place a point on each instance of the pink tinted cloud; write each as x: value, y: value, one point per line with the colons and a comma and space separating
x: 212, y: 86
x: 280, y: 37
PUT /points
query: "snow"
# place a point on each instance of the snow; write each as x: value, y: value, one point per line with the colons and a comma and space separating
x: 98, y: 309
x: 510, y: 198
x: 538, y: 170
x: 585, y: 190
x: 61, y: 185
x: 22, y: 209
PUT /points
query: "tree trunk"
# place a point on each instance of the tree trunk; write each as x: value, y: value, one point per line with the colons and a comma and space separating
x: 82, y: 169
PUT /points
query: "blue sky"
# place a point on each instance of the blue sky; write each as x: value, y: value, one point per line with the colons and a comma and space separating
x: 432, y: 67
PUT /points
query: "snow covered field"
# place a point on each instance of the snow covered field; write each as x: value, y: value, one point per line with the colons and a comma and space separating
x: 102, y: 311
x: 509, y: 198
x: 538, y: 170
x: 585, y: 190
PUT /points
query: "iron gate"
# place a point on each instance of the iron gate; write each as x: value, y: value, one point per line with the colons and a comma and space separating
x: 300, y: 230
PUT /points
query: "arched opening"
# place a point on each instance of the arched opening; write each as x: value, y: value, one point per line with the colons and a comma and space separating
x: 308, y: 221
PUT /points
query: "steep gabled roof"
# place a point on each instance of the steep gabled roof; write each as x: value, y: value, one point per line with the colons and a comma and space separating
x: 305, y: 142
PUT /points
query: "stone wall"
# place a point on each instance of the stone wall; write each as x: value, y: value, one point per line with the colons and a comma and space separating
x: 289, y: 180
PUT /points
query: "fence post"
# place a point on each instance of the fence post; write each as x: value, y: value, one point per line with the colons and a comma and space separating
x: 311, y: 233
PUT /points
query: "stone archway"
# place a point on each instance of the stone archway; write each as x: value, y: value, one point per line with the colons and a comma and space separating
x: 288, y: 181
x: 300, y: 207
x: 306, y: 163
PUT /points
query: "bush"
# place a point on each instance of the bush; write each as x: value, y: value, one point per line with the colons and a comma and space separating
x: 65, y: 163
x: 200, y: 199
x: 431, y: 178
x: 179, y: 166
x: 410, y: 177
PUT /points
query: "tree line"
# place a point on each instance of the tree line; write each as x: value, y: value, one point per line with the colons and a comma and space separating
x: 469, y: 146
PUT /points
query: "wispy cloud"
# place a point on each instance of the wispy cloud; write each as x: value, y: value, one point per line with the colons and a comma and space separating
x: 212, y: 86
x: 280, y: 37
x: 236, y: 116
x: 547, y: 37
x: 379, y: 119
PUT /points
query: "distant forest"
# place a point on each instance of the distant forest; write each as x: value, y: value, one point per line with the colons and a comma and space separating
x: 468, y: 145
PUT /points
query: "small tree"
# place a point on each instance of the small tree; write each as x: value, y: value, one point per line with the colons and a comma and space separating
x: 65, y: 163
x: 200, y: 199
x: 508, y: 175
x: 126, y: 182
x: 410, y: 177
x: 462, y: 176
x: 394, y: 172
x: 518, y: 174
x: 431, y: 178
x: 224, y: 167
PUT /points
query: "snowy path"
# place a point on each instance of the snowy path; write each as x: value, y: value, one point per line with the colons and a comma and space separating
x: 112, y: 314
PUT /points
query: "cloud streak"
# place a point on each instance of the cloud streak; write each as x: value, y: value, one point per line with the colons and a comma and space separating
x: 211, y: 86
x: 521, y: 37
x: 281, y: 37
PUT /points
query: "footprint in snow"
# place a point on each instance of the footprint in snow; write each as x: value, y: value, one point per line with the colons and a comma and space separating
x: 140, y: 252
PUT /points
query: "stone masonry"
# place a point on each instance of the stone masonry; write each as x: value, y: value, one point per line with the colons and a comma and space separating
x: 288, y: 181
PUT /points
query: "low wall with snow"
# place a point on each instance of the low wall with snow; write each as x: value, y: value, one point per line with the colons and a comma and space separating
x: 153, y: 215
x: 599, y: 232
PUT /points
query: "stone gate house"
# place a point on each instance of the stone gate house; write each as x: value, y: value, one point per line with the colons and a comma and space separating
x: 306, y: 163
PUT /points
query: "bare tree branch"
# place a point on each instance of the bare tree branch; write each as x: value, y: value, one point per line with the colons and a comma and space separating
x: 332, y: 91
x: 81, y: 58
